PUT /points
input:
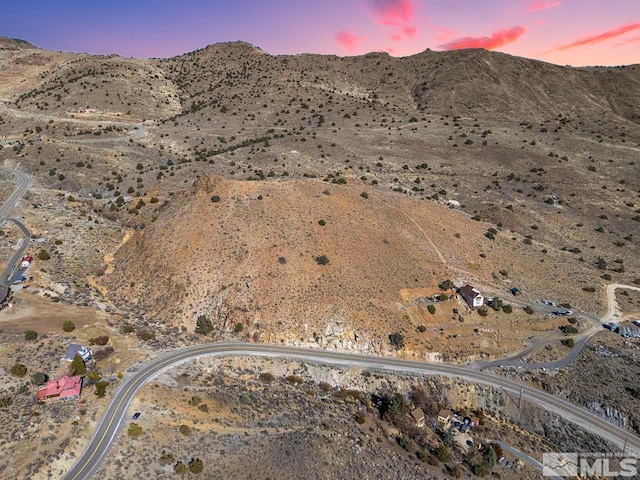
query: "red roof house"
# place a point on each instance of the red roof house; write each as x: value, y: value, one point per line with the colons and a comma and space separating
x: 63, y: 387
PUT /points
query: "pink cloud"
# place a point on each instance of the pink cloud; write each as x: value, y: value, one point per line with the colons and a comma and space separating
x: 392, y: 12
x: 601, y: 37
x: 395, y: 13
x: 627, y: 41
x: 444, y: 34
x: 348, y: 40
x: 410, y: 32
x: 539, y: 5
x: 496, y: 40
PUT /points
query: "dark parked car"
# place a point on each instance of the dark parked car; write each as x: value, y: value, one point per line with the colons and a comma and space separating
x: 136, y: 415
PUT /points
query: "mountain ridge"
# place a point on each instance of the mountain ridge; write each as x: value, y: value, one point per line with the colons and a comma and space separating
x: 25, y: 44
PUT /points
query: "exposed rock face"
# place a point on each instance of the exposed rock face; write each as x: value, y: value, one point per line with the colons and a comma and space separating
x: 612, y: 415
x: 207, y: 185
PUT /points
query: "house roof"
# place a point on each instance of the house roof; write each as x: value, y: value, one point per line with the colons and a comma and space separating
x: 61, y: 387
x: 469, y: 291
x: 417, y: 414
x: 73, y: 349
x: 444, y: 413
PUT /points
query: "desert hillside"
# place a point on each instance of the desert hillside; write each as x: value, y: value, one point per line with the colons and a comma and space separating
x: 311, y: 262
x: 338, y: 203
x: 520, y: 173
x: 463, y: 82
x: 253, y: 257
x: 7, y: 43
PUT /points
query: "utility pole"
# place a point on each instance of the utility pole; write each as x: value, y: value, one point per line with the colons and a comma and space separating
x: 520, y: 398
x: 520, y: 401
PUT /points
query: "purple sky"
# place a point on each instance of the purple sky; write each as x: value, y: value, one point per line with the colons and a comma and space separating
x: 576, y: 32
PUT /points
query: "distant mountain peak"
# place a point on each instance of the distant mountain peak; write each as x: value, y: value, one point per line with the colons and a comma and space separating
x: 8, y: 43
x: 234, y: 46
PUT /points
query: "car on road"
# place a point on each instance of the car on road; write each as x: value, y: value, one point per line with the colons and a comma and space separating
x: 563, y: 312
x: 549, y: 302
x: 136, y: 415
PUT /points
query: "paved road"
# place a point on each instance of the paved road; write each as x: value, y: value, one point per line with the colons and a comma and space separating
x: 116, y: 413
x: 23, y: 183
x: 581, y: 340
x: 518, y: 360
x: 7, y: 277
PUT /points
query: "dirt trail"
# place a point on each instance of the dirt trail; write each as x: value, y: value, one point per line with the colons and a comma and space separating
x: 428, y: 238
x: 47, y: 117
x: 465, y: 274
x: 613, y: 310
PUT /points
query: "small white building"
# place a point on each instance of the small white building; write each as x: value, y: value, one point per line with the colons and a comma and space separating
x: 472, y: 296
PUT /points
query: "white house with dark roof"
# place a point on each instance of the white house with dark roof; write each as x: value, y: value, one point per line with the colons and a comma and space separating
x: 472, y: 296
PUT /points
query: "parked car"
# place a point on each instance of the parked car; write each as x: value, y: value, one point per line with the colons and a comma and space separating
x: 501, y: 460
x: 562, y: 312
x: 636, y: 323
x: 549, y: 302
x: 136, y: 415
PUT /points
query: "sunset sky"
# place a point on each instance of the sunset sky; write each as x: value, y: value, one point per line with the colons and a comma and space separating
x: 574, y: 32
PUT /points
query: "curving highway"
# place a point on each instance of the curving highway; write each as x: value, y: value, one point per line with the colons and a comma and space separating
x: 116, y: 413
x: 7, y: 276
x: 108, y: 427
x: 23, y: 183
